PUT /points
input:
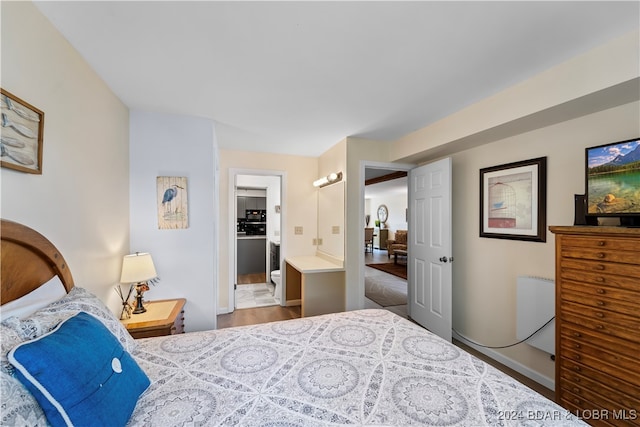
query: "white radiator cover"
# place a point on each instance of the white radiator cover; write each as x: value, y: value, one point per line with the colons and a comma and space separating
x: 536, y: 304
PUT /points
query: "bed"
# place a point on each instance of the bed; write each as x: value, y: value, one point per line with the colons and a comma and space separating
x: 364, y: 367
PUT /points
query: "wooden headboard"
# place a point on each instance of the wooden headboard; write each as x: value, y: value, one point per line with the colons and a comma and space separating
x: 28, y: 260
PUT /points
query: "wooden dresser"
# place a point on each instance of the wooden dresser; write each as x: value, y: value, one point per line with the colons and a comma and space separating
x: 598, y: 323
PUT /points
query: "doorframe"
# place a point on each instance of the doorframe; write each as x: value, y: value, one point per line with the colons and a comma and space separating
x: 368, y: 164
x: 232, y: 266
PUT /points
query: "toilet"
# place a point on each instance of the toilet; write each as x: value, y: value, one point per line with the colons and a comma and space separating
x: 275, y: 278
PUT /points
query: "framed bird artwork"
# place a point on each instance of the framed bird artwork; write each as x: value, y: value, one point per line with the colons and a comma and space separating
x: 172, y: 202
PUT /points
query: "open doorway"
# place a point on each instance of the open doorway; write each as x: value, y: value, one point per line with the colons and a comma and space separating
x: 385, y: 254
x: 256, y: 205
x: 253, y: 289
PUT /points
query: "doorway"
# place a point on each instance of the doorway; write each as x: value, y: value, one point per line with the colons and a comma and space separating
x: 255, y: 209
x: 385, y: 271
x: 421, y: 257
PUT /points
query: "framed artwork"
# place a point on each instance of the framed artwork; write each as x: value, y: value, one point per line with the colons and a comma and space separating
x: 21, y: 134
x: 172, y: 202
x: 513, y: 201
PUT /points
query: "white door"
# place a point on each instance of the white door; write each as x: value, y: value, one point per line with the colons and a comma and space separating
x: 430, y: 254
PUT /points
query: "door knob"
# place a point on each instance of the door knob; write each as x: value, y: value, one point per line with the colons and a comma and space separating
x: 443, y: 259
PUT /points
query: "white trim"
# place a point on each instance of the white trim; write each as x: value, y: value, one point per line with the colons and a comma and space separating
x: 510, y: 363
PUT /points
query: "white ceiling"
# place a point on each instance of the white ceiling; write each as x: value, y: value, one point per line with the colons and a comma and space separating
x: 298, y: 77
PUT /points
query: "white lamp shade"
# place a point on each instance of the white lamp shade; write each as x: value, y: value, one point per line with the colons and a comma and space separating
x: 137, y: 267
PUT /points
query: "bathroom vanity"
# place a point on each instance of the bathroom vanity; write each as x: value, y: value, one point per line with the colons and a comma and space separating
x: 319, y: 283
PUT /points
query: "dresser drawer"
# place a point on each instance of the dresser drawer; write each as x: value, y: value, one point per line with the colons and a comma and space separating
x: 625, y: 257
x: 613, y: 324
x: 598, y: 358
x: 601, y: 297
x: 577, y: 378
x: 623, y: 276
x: 178, y: 325
x: 608, y: 243
x: 584, y: 336
x: 598, y: 413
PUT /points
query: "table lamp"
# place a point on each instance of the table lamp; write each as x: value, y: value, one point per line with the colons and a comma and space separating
x: 138, y: 270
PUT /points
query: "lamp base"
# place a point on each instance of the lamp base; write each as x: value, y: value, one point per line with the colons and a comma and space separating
x: 139, y: 307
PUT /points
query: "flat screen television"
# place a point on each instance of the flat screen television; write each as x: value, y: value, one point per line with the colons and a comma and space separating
x: 612, y: 187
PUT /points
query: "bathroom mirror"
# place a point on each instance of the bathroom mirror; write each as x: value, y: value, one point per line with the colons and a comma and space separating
x: 331, y: 220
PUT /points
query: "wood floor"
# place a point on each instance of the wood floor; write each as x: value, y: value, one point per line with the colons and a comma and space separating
x: 246, y: 279
x: 378, y: 256
x: 253, y: 316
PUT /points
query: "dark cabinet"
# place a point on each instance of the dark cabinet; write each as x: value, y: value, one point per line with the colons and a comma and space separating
x: 383, y: 236
x: 252, y: 255
x: 242, y: 207
x: 245, y: 203
x: 275, y: 256
x: 255, y: 203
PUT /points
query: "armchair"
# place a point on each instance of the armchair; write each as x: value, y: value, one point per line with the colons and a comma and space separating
x: 399, y: 241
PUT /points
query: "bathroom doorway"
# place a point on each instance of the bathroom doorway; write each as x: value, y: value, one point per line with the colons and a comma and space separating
x: 256, y: 200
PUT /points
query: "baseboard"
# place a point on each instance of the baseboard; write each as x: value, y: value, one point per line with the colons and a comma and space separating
x: 510, y: 363
x: 293, y: 302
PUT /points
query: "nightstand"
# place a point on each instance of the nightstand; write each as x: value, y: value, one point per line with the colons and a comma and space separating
x: 164, y: 317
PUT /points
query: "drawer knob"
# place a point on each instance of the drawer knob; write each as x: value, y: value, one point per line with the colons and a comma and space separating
x: 599, y: 267
x: 601, y: 303
x: 577, y: 334
x: 600, y: 327
x: 600, y: 255
x: 576, y: 390
x: 601, y: 291
x: 577, y: 345
x: 576, y: 401
x: 601, y: 243
x: 576, y: 368
x: 600, y: 315
x: 577, y: 357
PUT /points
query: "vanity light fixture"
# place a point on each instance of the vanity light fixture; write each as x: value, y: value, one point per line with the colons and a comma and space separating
x: 328, y: 180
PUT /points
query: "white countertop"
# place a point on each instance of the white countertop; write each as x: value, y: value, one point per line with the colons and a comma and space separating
x: 313, y: 264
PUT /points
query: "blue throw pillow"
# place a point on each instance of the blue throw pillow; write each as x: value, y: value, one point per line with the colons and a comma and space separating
x: 80, y: 374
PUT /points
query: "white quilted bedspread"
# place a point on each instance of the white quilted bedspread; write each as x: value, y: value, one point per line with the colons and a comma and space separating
x: 367, y: 367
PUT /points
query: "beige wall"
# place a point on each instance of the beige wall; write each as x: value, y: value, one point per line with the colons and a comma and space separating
x: 331, y: 202
x: 601, y: 78
x: 299, y: 206
x: 81, y: 200
x: 396, y: 203
x: 485, y: 270
x: 359, y: 152
x: 589, y: 100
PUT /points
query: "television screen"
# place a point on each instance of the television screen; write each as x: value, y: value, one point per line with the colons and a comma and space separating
x: 613, y: 179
